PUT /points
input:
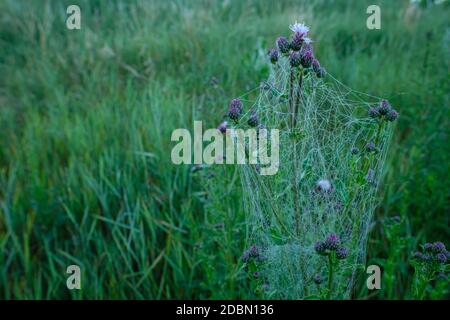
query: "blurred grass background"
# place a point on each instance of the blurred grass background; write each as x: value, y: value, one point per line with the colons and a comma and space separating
x: 86, y: 118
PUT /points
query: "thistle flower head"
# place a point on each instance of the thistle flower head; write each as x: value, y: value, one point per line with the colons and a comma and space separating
x: 418, y: 256
x: 245, y: 256
x: 320, y: 72
x: 439, y: 247
x: 320, y: 248
x: 341, y: 253
x: 235, y: 109
x: 374, y: 112
x: 370, y: 147
x: 253, y: 251
x: 316, y: 65
x: 237, y: 103
x: 317, y: 279
x: 283, y: 44
x: 384, y: 108
x: 354, y: 151
x: 297, y: 41
x: 441, y: 257
x: 428, y: 247
x: 306, y: 57
x: 294, y: 59
x: 223, y: 127
x: 324, y: 185
x: 253, y: 120
x: 392, y: 115
x: 273, y: 55
x: 332, y: 242
x: 426, y: 257
x: 299, y: 28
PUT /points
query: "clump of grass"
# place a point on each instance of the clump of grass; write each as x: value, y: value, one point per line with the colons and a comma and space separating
x: 325, y: 184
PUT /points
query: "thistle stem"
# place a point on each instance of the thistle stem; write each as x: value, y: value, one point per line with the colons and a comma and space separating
x: 295, y: 159
x: 330, y: 276
x: 298, y: 99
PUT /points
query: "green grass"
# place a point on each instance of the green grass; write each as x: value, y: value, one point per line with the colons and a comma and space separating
x: 85, y: 124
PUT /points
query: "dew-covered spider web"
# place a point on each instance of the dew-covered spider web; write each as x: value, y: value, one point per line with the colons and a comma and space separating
x: 287, y: 211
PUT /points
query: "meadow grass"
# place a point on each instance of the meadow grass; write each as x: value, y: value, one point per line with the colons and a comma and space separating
x: 86, y: 118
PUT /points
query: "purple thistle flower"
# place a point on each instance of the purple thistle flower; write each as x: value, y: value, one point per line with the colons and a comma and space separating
x: 283, y: 45
x: 297, y: 41
x: 392, y: 115
x: 320, y: 248
x: 273, y: 55
x: 316, y: 65
x: 384, y: 108
x: 253, y: 251
x: 320, y: 72
x: 294, y: 59
x: 441, y: 257
x: 370, y: 176
x: 253, y: 120
x: 317, y: 279
x: 332, y: 242
x: 341, y: 253
x: 354, y: 151
x: 428, y: 247
x: 223, y: 127
x: 426, y: 257
x: 245, y: 256
x: 235, y: 109
x: 236, y: 103
x: 306, y: 57
x: 370, y: 147
x: 418, y: 256
x: 439, y: 247
x: 374, y: 112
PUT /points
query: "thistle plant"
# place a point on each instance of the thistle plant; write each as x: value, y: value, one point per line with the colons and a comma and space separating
x: 430, y: 263
x: 333, y: 143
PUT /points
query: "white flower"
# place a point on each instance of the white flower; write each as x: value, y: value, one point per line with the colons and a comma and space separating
x: 307, y: 40
x: 299, y: 27
x: 324, y: 185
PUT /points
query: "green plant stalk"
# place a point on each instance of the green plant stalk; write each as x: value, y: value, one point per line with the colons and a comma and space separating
x: 330, y: 276
x: 295, y: 160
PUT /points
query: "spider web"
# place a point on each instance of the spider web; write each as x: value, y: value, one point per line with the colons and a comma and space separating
x: 285, y: 220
